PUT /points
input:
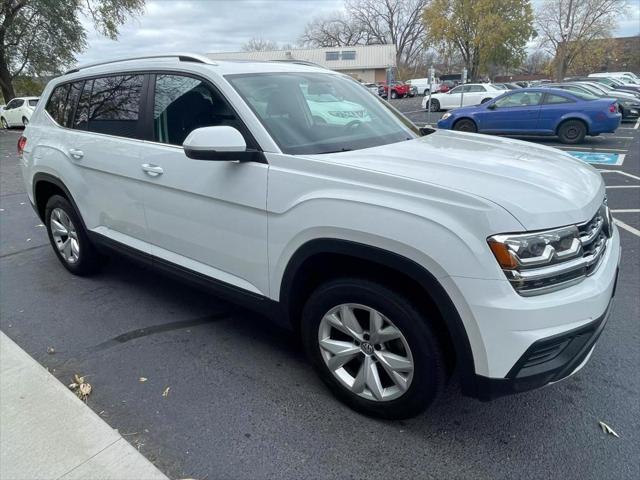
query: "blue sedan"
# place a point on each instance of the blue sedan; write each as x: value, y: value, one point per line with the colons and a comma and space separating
x: 538, y: 111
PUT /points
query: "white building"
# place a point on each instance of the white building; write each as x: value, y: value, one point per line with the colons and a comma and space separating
x: 367, y: 63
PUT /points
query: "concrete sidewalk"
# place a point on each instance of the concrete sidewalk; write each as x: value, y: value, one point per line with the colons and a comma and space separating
x: 46, y: 432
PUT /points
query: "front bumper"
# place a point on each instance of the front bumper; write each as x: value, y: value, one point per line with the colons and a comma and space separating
x: 548, y: 360
x: 520, y: 343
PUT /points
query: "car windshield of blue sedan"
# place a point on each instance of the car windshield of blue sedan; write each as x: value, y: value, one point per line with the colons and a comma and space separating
x: 311, y: 113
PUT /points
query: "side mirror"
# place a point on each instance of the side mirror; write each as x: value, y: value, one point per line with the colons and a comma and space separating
x: 492, y: 106
x: 220, y: 143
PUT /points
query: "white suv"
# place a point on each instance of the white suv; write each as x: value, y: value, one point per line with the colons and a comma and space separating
x: 398, y: 254
x: 17, y: 113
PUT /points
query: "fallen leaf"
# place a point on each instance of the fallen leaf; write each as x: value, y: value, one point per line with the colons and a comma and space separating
x: 78, y: 379
x: 51, y: 350
x: 165, y: 393
x: 143, y: 379
x: 73, y: 386
x: 28, y: 239
x: 607, y: 429
x: 85, y: 389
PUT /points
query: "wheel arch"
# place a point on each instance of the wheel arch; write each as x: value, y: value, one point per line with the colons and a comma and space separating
x: 44, y: 186
x: 309, y: 266
x: 471, y: 119
x: 580, y: 118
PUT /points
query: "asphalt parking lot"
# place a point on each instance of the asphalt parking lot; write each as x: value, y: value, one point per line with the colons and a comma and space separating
x: 244, y: 403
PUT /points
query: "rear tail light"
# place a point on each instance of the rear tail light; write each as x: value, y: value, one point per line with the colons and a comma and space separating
x: 22, y: 142
x: 613, y: 108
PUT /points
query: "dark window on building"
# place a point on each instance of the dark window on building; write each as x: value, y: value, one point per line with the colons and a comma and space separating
x: 56, y: 103
x: 115, y: 105
x: 348, y: 55
x: 551, y: 99
x: 81, y: 117
x: 332, y: 56
x: 182, y: 104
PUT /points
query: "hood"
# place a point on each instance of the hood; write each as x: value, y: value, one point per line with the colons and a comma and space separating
x: 542, y: 187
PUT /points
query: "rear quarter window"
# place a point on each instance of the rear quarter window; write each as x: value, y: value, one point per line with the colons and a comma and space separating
x: 56, y: 104
x: 33, y: 103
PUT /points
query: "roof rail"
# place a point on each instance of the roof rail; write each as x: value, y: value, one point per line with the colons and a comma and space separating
x: 183, y: 57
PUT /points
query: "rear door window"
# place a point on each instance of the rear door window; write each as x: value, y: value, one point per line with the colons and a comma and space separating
x: 70, y: 104
x: 114, y: 108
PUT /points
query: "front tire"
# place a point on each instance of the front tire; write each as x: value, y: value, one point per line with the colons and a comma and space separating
x: 465, y: 125
x: 572, y: 132
x: 373, y: 348
x: 394, y: 94
x: 69, y: 239
x: 25, y: 121
x: 5, y: 125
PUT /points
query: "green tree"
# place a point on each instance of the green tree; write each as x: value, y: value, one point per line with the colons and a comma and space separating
x: 485, y: 32
x: 41, y: 37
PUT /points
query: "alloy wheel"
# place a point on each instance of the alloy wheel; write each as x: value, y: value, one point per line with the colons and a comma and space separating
x: 365, y: 352
x: 65, y: 235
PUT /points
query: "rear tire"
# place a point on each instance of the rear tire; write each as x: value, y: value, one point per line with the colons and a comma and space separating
x: 69, y: 238
x: 25, y: 121
x: 403, y: 335
x: 484, y: 100
x: 572, y: 132
x: 465, y: 125
x: 394, y: 94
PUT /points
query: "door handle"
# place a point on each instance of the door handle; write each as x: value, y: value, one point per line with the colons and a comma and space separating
x: 152, y: 170
x: 76, y: 154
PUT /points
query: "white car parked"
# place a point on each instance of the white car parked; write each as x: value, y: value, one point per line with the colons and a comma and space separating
x: 468, y: 94
x: 17, y: 113
x: 398, y: 253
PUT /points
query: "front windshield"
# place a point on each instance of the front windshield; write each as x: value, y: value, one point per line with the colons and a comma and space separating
x: 311, y: 113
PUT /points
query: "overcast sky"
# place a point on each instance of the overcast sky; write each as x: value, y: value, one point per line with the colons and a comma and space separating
x: 224, y: 25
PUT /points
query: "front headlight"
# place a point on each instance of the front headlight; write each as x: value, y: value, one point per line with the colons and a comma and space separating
x: 446, y: 115
x: 541, y: 262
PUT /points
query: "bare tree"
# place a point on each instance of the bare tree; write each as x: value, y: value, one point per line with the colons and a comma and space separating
x: 536, y: 62
x: 372, y: 22
x: 566, y: 27
x: 398, y: 22
x: 333, y: 30
x: 259, y: 45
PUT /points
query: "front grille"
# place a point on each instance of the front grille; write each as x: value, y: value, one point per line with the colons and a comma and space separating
x: 594, y: 236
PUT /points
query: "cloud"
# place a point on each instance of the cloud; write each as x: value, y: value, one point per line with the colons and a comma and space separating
x: 205, y: 26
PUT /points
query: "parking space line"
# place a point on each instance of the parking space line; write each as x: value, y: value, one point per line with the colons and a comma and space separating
x: 601, y: 170
x: 626, y: 227
x: 626, y: 210
x: 622, y: 186
x: 594, y: 149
